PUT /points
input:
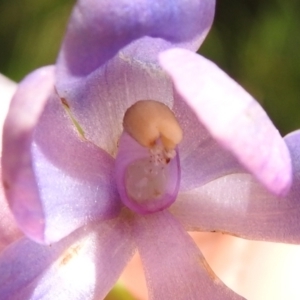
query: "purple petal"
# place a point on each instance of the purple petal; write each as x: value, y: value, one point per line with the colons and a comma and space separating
x: 232, y: 116
x: 85, y: 265
x: 18, y: 176
x: 100, y: 99
x: 98, y: 30
x: 202, y: 158
x: 57, y: 181
x: 174, y: 266
x: 239, y: 205
x: 8, y: 227
x: 75, y: 178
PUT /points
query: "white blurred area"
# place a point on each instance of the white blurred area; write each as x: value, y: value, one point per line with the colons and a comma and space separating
x: 255, y: 270
x: 7, y: 89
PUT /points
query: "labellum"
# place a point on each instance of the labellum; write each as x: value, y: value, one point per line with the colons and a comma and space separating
x: 147, y: 164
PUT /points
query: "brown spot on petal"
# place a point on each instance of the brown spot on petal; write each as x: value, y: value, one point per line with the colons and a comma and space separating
x: 5, y: 185
x: 69, y: 254
x: 65, y: 102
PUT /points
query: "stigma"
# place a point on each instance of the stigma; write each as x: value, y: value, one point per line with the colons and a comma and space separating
x: 147, y: 164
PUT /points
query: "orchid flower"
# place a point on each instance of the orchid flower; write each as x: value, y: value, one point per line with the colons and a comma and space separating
x: 127, y: 143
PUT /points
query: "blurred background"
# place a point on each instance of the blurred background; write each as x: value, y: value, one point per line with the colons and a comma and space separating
x: 255, y: 42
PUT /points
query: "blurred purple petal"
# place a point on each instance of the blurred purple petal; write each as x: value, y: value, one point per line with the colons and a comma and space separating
x: 9, y: 231
x: 202, y: 158
x: 174, y: 266
x: 98, y: 30
x: 85, y: 265
x: 71, y: 177
x: 239, y: 205
x: 18, y: 176
x: 232, y: 116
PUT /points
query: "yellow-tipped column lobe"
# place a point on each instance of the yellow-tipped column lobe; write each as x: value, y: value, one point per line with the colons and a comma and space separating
x: 148, y: 120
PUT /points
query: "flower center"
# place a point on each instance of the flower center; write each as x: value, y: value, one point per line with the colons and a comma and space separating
x: 147, y: 163
x: 147, y: 178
